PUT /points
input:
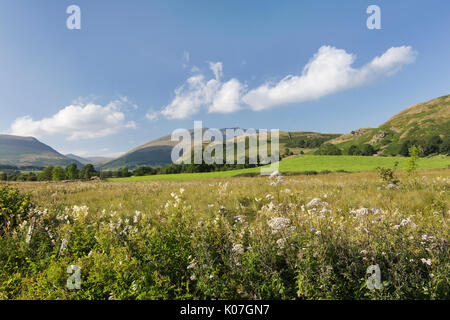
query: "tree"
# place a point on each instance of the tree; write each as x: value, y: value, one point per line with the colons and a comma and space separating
x: 367, y: 150
x: 432, y: 145
x: 58, y: 174
x: 144, y: 171
x: 72, y: 172
x: 125, y: 172
x: 353, y: 151
x: 46, y: 174
x: 87, y: 172
x: 3, y: 176
x: 445, y: 146
x: 412, y: 161
x: 328, y: 149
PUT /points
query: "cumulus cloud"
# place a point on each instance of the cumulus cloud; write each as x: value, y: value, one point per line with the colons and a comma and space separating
x: 200, y: 92
x: 330, y: 70
x: 77, y: 121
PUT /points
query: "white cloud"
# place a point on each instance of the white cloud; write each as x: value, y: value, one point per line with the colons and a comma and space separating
x: 330, y: 70
x: 198, y: 92
x: 86, y: 121
x: 217, y: 69
x: 152, y: 115
x: 227, y: 98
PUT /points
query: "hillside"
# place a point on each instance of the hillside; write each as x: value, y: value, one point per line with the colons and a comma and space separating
x: 158, y: 152
x: 418, y: 122
x: 86, y: 160
x: 28, y: 151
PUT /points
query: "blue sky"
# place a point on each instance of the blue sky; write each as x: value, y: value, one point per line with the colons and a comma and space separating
x: 130, y: 56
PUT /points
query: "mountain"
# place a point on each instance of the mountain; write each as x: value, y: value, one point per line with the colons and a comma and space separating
x: 158, y: 152
x: 419, y: 122
x: 28, y: 151
x: 154, y: 153
x: 77, y: 158
x: 86, y: 160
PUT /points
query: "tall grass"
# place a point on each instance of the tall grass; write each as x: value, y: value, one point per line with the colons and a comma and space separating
x: 241, y: 238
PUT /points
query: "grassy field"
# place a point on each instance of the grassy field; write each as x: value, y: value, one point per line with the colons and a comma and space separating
x: 298, y: 237
x: 311, y: 163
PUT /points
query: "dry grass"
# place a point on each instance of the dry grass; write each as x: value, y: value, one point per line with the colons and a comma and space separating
x: 246, y: 238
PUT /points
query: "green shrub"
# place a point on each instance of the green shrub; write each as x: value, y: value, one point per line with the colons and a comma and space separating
x: 14, y: 207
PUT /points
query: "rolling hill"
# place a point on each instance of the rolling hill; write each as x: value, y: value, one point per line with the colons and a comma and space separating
x: 30, y: 152
x: 158, y: 152
x: 418, y: 122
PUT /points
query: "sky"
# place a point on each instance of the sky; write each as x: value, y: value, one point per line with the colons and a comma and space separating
x: 138, y: 70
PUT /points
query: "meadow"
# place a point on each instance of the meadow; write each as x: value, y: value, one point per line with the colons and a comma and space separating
x: 311, y: 163
x: 296, y: 237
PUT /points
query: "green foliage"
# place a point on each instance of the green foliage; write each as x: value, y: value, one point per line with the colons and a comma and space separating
x: 445, y: 146
x: 72, y: 172
x: 14, y: 207
x: 87, y: 172
x: 58, y: 174
x: 414, y: 152
x: 354, y: 150
x: 46, y: 174
x: 328, y: 149
x: 388, y: 175
x: 181, y: 245
x: 367, y: 150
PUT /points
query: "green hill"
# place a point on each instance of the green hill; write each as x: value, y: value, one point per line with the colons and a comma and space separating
x: 416, y: 123
x: 158, y: 152
x: 29, y: 152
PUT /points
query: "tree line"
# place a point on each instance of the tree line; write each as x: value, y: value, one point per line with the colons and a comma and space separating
x: 427, y: 147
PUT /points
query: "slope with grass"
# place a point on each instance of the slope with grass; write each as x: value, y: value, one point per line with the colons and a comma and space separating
x: 158, y: 152
x: 310, y: 163
x: 418, y: 122
x: 28, y: 151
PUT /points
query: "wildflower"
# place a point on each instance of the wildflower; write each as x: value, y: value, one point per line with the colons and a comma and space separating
x: 360, y: 212
x: 316, y: 202
x: 287, y: 191
x: 280, y: 224
x: 281, y: 243
x: 238, y: 249
x: 240, y: 219
x: 210, y: 206
x: 426, y: 261
x: 181, y: 190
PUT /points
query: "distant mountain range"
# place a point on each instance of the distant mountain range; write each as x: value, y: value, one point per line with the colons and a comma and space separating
x: 86, y: 160
x: 418, y: 122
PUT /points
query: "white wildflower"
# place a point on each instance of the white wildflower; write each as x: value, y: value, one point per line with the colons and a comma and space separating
x: 426, y: 261
x: 238, y: 249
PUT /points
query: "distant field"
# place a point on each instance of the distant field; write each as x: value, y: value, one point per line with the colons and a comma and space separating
x: 310, y: 163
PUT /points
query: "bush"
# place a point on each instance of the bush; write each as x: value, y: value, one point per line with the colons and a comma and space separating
x: 14, y: 207
x: 328, y: 149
